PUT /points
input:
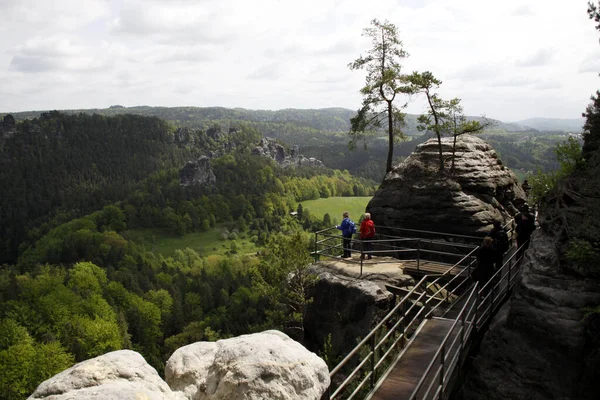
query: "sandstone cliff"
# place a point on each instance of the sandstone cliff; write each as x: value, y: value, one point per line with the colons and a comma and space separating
x: 480, y: 190
x: 270, y: 148
x: 543, y: 345
x: 197, y: 173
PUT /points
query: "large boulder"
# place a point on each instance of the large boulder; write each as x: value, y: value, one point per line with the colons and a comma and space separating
x: 119, y: 375
x: 467, y: 200
x: 267, y: 365
x: 197, y: 173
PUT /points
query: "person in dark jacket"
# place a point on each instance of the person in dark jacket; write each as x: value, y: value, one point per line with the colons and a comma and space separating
x: 525, y: 227
x: 486, y: 257
x: 347, y: 227
x: 501, y: 243
x: 367, y: 233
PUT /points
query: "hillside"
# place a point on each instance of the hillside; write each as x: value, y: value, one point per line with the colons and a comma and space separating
x: 553, y: 124
x: 325, y: 119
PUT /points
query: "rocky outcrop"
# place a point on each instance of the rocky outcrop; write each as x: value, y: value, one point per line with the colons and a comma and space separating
x: 270, y: 148
x: 539, y: 345
x: 120, y: 375
x: 197, y: 173
x: 267, y: 365
x: 467, y: 201
x: 346, y: 307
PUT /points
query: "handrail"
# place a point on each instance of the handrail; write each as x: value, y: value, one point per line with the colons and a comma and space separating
x: 442, y: 345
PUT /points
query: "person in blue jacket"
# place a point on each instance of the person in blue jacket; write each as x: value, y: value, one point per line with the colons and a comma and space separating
x: 348, y: 228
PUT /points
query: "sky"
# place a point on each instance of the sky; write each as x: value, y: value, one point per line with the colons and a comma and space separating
x: 508, y: 60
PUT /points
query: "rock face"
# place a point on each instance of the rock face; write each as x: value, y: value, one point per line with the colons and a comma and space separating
x: 345, y: 307
x: 197, y: 173
x: 267, y: 365
x: 270, y: 148
x: 118, y: 375
x: 539, y: 345
x: 467, y: 201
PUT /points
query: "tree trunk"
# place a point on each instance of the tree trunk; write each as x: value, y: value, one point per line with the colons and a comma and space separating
x: 437, y: 131
x: 388, y: 166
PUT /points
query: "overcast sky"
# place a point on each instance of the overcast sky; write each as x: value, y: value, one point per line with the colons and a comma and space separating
x: 509, y: 59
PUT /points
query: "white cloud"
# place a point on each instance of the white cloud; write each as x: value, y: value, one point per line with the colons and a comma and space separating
x: 277, y: 54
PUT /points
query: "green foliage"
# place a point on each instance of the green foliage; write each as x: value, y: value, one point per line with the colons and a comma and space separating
x: 569, y: 156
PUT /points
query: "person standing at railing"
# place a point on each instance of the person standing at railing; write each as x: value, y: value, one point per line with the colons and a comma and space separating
x: 367, y: 233
x: 525, y: 227
x: 486, y: 257
x: 501, y: 242
x: 348, y: 228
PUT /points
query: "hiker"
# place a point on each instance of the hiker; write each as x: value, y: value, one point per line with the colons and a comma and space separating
x: 524, y: 229
x: 367, y: 233
x: 526, y: 187
x: 486, y: 257
x: 348, y: 228
x: 501, y: 243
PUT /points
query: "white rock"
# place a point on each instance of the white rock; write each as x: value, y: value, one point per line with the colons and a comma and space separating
x: 122, y: 375
x: 267, y: 365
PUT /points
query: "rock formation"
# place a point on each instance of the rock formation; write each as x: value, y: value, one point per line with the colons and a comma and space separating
x: 537, y: 344
x: 197, y: 173
x: 270, y: 148
x: 346, y: 307
x: 543, y: 345
x: 480, y: 190
x: 122, y: 374
x: 267, y: 365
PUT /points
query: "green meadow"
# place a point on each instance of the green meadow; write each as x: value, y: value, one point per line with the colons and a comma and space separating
x: 335, y: 206
x: 204, y: 243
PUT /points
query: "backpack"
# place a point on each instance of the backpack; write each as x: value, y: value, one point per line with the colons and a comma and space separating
x: 352, y: 226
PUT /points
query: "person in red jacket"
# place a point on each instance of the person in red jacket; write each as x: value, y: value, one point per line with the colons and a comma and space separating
x: 367, y: 233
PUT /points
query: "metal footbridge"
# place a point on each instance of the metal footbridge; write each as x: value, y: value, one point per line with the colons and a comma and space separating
x: 418, y: 348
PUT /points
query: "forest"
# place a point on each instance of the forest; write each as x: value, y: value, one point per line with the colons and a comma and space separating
x: 73, y: 286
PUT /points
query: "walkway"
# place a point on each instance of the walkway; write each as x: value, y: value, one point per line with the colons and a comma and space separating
x: 414, y: 353
x: 403, y: 378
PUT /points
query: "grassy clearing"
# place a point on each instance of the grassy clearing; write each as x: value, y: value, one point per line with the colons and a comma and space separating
x: 335, y: 206
x: 205, y: 243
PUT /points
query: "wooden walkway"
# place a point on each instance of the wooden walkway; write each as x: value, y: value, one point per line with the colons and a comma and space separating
x: 430, y: 268
x: 403, y: 378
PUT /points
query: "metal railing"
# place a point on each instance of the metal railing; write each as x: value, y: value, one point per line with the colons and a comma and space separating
x: 449, y: 353
x: 328, y: 243
x: 386, y: 343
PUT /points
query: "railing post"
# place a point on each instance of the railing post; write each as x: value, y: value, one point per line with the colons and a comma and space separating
x: 316, y: 247
x: 510, y: 264
x: 442, y: 372
x: 462, y: 331
x: 373, y: 360
x: 418, y: 256
x: 477, y: 303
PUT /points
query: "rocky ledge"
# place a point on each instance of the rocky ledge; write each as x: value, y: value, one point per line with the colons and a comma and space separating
x: 466, y: 201
x: 267, y: 365
x: 197, y: 173
x: 270, y: 148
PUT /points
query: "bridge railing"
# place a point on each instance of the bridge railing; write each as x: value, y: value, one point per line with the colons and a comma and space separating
x: 360, y: 368
x: 436, y: 377
x: 328, y: 244
x: 374, y: 354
